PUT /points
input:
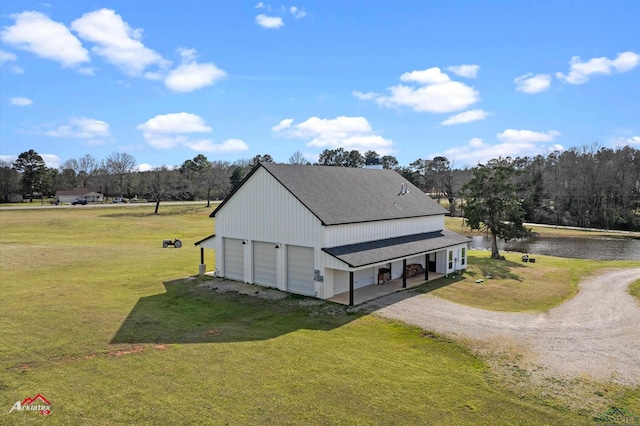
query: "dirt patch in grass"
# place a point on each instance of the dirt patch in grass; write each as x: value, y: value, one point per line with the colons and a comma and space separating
x: 136, y: 349
x: 223, y: 286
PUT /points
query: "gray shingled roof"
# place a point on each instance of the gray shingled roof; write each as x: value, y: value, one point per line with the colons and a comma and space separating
x: 372, y: 252
x: 338, y: 195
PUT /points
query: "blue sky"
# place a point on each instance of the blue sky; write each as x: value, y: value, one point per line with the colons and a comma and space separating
x: 167, y: 80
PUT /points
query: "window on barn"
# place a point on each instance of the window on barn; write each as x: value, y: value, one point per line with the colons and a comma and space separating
x: 463, y: 256
x: 450, y: 260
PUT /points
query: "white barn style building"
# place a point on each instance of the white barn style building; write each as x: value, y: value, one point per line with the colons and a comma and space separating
x: 321, y: 231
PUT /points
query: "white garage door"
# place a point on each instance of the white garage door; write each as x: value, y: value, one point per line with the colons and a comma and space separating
x: 363, y: 278
x: 264, y: 263
x: 233, y: 259
x: 300, y: 270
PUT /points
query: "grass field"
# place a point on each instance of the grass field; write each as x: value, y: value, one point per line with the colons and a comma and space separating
x: 457, y: 224
x: 517, y: 286
x: 94, y: 317
x: 634, y: 290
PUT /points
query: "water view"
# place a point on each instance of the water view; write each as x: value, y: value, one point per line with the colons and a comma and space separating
x: 572, y: 247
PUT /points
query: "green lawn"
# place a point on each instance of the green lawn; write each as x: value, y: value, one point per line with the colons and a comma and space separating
x: 634, y: 289
x: 456, y: 224
x: 517, y: 286
x: 94, y: 316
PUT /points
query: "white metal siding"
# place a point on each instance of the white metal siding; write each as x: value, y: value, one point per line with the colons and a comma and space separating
x: 396, y: 269
x: 416, y: 259
x: 363, y: 277
x: 340, y: 281
x: 264, y: 263
x: 338, y: 235
x: 233, y: 259
x: 209, y: 243
x: 263, y: 210
x: 300, y: 270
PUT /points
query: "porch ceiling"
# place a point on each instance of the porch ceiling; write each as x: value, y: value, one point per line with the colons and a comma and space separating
x: 379, y: 251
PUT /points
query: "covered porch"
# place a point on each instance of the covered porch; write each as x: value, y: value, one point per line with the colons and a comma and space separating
x: 375, y: 291
x: 355, y: 272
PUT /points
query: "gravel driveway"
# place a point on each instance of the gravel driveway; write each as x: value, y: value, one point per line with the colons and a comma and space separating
x: 595, y: 335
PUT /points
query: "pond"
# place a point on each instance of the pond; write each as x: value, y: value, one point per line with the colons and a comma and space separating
x: 600, y: 248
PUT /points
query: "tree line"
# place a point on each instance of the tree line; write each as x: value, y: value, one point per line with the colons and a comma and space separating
x: 588, y: 186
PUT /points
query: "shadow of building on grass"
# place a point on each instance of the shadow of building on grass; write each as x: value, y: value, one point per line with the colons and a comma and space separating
x: 190, y: 313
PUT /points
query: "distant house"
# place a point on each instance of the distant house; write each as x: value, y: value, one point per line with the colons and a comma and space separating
x: 15, y: 198
x: 322, y: 231
x: 91, y: 195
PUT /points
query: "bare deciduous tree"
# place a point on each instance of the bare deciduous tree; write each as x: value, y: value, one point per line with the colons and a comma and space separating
x: 298, y: 158
x: 120, y: 164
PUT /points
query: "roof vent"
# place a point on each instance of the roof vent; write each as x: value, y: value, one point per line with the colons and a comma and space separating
x: 404, y: 189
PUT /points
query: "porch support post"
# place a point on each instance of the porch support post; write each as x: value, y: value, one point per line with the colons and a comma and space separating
x: 351, y: 288
x: 404, y: 273
x: 426, y: 267
x: 202, y: 268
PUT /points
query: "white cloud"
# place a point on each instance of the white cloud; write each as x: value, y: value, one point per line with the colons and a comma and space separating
x: 230, y: 145
x: 466, y: 117
x: 86, y: 128
x: 260, y: 5
x: 297, y: 12
x: 51, y: 160
x: 190, y: 75
x: 468, y: 71
x: 8, y: 158
x: 5, y: 61
x: 21, y: 101
x: 269, y: 22
x: 193, y: 76
x: 144, y: 167
x: 529, y: 83
x: 7, y: 56
x: 476, y: 143
x: 182, y: 122
x: 116, y: 41
x: 516, y: 136
x: 436, y: 98
x: 633, y: 140
x: 365, y: 96
x: 346, y: 132
x: 435, y: 92
x: 478, y: 151
x: 188, y: 55
x: 38, y: 34
x: 428, y: 76
x: 284, y: 124
x: 173, y: 130
x: 579, y: 72
x: 86, y: 71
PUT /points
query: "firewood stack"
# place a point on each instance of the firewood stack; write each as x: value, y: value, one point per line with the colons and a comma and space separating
x: 414, y: 269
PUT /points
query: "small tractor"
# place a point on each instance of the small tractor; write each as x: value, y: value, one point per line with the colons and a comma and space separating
x: 176, y: 243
